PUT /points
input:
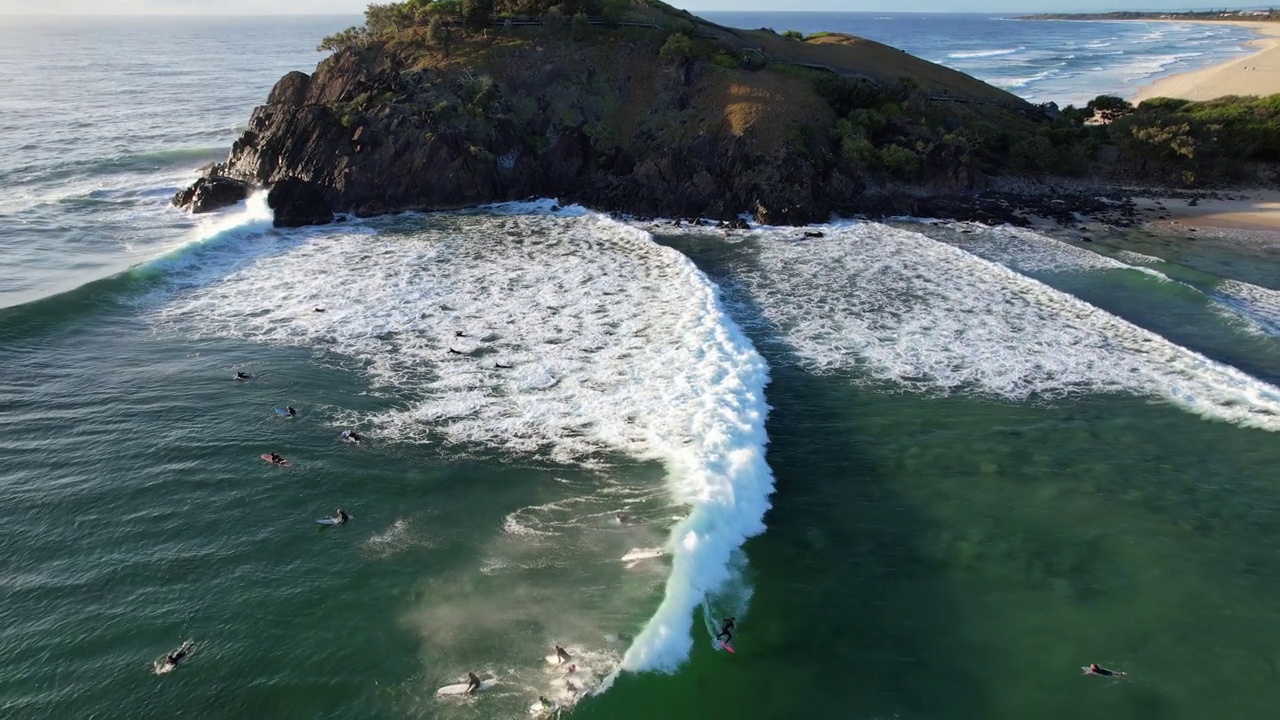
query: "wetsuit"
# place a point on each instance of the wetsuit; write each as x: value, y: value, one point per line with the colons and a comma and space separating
x: 726, y: 631
x: 473, y: 683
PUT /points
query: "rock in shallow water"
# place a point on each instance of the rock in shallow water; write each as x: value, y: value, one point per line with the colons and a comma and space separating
x: 297, y: 203
x: 210, y: 193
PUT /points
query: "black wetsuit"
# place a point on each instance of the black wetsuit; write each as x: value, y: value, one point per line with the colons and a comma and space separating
x: 726, y: 631
x: 473, y: 683
x: 1099, y: 670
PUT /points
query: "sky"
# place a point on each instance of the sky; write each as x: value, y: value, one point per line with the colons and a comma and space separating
x: 353, y: 7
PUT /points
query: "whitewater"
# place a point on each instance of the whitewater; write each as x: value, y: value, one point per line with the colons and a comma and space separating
x: 565, y: 334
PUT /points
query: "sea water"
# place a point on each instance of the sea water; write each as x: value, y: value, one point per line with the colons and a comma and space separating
x: 931, y: 468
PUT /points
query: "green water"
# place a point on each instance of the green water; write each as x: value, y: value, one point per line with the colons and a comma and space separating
x: 926, y: 556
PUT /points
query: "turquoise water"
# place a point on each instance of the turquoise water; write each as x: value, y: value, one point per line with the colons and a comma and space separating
x: 933, y: 469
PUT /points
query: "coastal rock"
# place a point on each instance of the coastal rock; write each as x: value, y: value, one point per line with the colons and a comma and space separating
x: 211, y: 193
x: 297, y: 203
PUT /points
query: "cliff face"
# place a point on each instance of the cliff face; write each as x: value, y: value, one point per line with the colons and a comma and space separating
x: 614, y: 122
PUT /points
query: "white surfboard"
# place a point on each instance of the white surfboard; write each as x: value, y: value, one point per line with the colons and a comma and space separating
x: 643, y: 554
x: 553, y: 659
x: 164, y: 668
x: 537, y: 709
x: 461, y: 688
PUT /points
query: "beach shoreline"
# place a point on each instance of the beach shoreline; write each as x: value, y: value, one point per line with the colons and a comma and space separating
x: 1257, y: 73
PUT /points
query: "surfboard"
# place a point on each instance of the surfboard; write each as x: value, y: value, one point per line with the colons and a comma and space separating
x: 164, y: 668
x: 726, y: 647
x: 326, y: 521
x: 554, y: 659
x: 539, y: 710
x: 267, y: 457
x: 643, y: 554
x: 461, y: 688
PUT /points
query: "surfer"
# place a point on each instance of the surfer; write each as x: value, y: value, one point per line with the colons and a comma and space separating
x: 458, y: 333
x: 292, y: 412
x: 546, y: 704
x: 277, y: 459
x: 563, y: 655
x: 455, y: 352
x: 243, y: 376
x: 473, y: 682
x: 726, y: 630
x: 1096, y: 669
x: 570, y: 686
x: 622, y: 518
x: 500, y: 366
x: 352, y: 435
x: 341, y: 517
x: 176, y: 656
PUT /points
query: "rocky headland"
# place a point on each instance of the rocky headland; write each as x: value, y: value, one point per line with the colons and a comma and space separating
x: 634, y: 107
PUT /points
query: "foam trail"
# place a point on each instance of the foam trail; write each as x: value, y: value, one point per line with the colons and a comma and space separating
x: 1257, y: 306
x: 582, y: 336
x: 899, y: 307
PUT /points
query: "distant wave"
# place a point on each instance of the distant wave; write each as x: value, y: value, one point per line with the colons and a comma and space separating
x: 984, y: 53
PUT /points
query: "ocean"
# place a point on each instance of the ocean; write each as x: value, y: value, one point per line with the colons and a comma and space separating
x: 932, y: 469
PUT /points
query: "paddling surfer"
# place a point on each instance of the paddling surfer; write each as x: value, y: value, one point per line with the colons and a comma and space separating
x: 352, y: 435
x: 292, y: 412
x: 1096, y: 669
x: 175, y: 657
x: 243, y: 376
x: 277, y: 459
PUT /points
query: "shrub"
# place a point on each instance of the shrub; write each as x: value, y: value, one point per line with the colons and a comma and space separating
x: 349, y: 38
x: 793, y: 34
x: 900, y: 162
x: 677, y: 47
x: 578, y: 30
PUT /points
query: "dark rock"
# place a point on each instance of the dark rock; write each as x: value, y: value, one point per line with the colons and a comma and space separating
x: 1193, y: 202
x: 210, y: 193
x: 738, y: 224
x: 297, y: 203
x: 1085, y: 238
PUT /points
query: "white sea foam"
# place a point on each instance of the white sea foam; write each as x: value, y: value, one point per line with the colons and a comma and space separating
x: 1257, y: 306
x: 983, y: 53
x: 893, y: 305
x: 1137, y: 257
x: 611, y: 343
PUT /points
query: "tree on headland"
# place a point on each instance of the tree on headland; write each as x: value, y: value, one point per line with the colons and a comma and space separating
x: 1109, y: 108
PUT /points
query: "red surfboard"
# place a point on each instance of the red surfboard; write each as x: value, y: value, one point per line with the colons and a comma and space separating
x: 726, y: 647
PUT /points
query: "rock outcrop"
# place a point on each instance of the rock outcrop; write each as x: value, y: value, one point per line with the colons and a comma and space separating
x: 210, y: 193
x: 617, y: 126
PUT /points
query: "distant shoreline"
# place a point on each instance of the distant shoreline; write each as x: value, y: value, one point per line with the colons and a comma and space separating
x: 1257, y: 73
x: 1229, y: 16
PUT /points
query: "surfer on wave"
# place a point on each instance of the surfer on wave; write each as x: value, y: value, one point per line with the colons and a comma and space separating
x: 726, y: 630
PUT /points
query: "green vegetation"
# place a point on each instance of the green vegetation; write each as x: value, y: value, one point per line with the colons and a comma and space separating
x: 900, y: 129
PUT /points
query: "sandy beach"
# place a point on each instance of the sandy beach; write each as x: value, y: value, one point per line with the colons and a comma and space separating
x: 1254, y: 74
x: 1255, y: 210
